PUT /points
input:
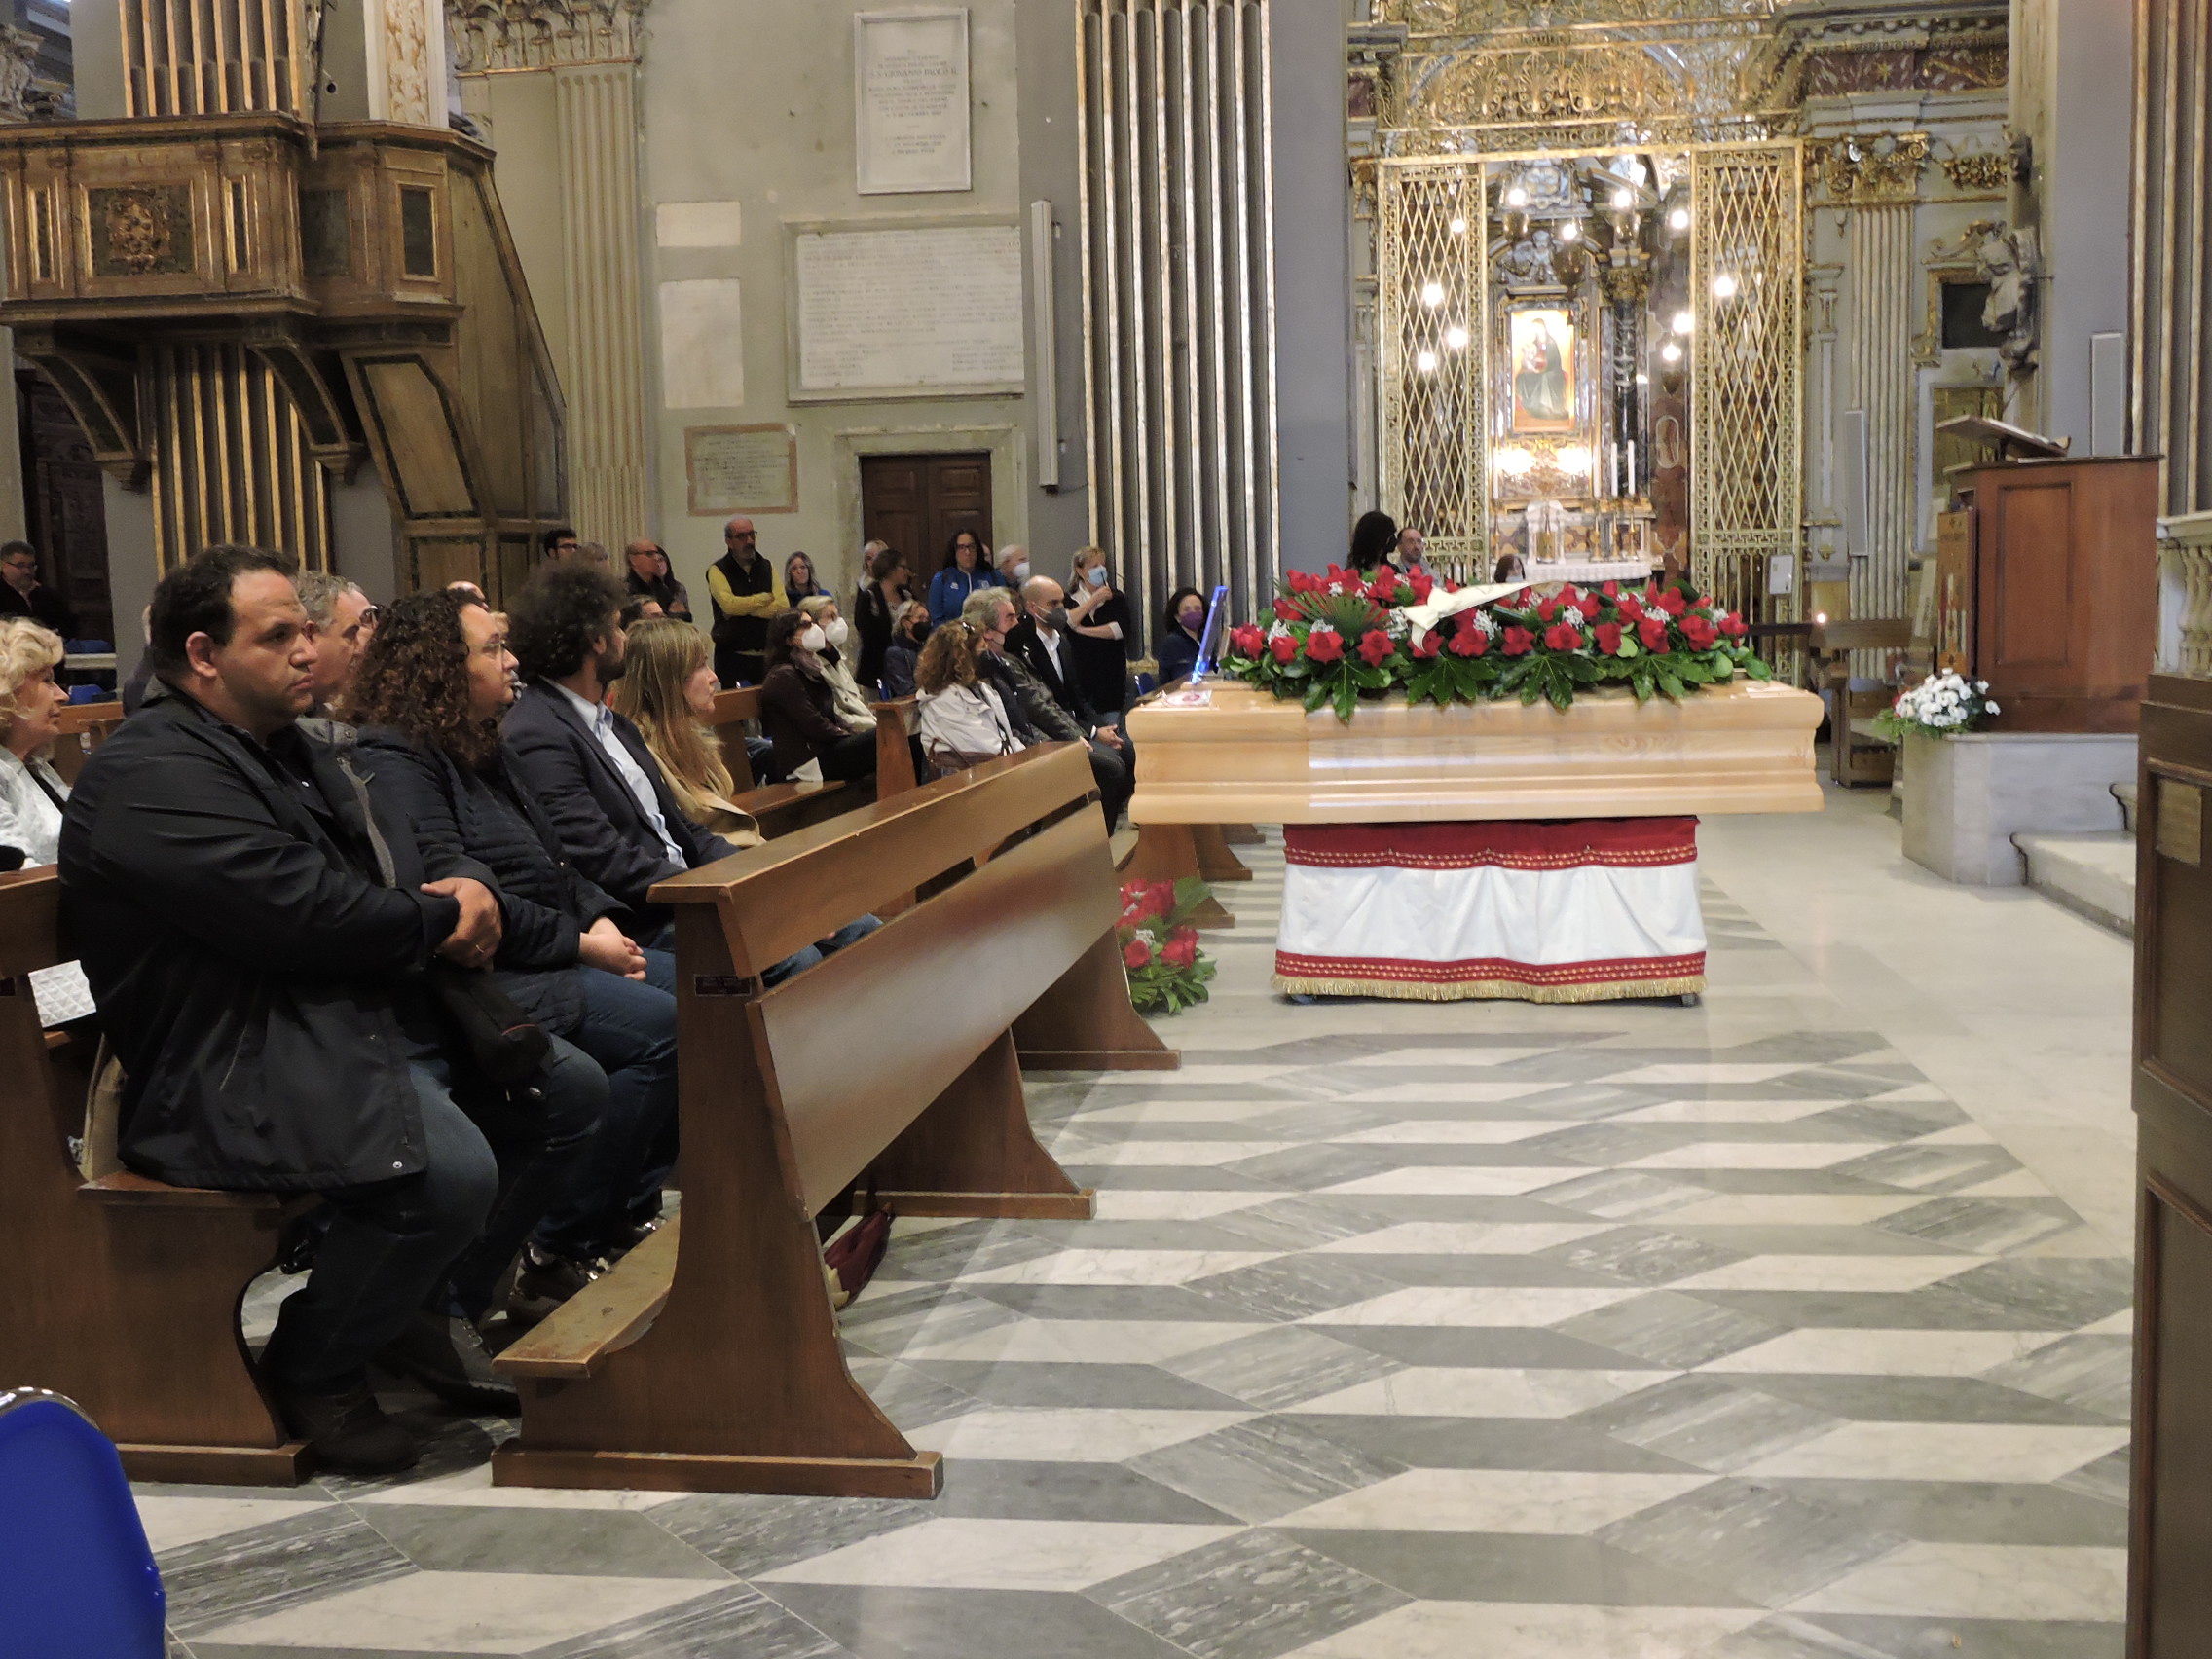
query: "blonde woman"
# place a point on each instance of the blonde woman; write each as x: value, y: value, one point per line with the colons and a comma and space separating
x: 962, y: 718
x: 667, y: 690
x: 31, y: 793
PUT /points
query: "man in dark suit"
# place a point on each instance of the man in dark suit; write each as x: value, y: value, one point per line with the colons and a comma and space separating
x: 1040, y: 645
x: 22, y: 594
x: 258, y: 936
x: 610, y: 806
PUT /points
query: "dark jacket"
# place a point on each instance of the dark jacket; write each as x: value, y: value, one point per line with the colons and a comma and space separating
x: 1178, y: 653
x: 461, y: 816
x: 602, y: 830
x: 1035, y: 713
x: 1025, y: 647
x: 899, y: 662
x: 43, y: 605
x: 1104, y: 664
x: 799, y: 714
x: 872, y: 616
x: 254, y: 932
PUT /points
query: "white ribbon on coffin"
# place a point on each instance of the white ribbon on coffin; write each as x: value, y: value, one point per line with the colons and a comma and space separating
x: 1425, y: 617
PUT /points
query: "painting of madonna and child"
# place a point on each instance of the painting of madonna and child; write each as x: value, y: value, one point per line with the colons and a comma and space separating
x: 1542, y: 340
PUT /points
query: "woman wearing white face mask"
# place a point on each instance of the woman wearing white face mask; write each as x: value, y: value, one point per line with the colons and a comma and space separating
x: 798, y: 707
x: 1105, y: 633
x: 851, y: 704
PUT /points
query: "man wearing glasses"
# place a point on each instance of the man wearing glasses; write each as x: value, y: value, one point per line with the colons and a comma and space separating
x: 340, y: 621
x: 22, y: 594
x: 745, y: 593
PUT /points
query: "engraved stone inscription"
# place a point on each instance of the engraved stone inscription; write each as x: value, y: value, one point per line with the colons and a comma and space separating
x: 911, y: 106
x: 910, y: 309
x: 741, y: 470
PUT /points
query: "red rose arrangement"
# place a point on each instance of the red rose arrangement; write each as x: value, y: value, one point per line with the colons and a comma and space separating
x: 1339, y: 637
x: 1159, y: 947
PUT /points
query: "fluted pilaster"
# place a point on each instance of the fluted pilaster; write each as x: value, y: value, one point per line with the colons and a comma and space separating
x: 1882, y: 286
x: 609, y: 455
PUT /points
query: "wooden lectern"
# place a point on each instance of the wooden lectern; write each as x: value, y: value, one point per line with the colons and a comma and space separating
x: 2063, y: 586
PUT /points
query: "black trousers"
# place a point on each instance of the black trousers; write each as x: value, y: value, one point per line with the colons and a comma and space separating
x: 850, y: 758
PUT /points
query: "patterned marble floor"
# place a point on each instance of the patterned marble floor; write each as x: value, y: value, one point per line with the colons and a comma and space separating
x: 1404, y: 1332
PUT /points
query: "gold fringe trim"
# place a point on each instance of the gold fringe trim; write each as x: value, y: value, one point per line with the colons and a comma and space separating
x: 1492, y: 990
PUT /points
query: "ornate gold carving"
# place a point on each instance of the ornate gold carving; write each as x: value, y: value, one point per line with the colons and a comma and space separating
x: 1885, y: 169
x: 142, y: 230
x: 1980, y: 169
x: 490, y: 35
x: 2010, y: 262
x: 1481, y: 16
x: 1927, y: 344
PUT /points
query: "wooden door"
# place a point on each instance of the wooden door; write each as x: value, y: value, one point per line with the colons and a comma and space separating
x: 919, y: 503
x: 2170, y: 1533
x: 65, y: 510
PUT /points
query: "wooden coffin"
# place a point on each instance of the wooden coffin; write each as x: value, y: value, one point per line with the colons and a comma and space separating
x: 1246, y: 756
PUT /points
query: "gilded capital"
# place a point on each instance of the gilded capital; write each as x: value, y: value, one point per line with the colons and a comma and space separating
x: 544, y: 34
x: 1872, y: 169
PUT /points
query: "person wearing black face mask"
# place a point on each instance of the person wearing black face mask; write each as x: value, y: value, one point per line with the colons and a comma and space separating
x: 1041, y: 645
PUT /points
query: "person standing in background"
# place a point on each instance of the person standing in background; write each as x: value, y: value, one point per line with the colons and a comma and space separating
x: 746, y: 595
x: 967, y: 570
x: 22, y: 594
x: 1013, y: 566
x: 799, y: 580
x: 1103, y: 633
x: 651, y: 577
x: 890, y: 583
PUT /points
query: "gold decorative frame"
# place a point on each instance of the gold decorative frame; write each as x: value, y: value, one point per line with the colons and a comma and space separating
x: 1927, y: 344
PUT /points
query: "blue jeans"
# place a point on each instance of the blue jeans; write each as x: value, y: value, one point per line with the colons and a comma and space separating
x: 629, y: 1036
x: 438, y: 1238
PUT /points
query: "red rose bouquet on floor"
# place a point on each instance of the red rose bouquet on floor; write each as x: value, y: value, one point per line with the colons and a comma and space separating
x: 1159, y: 947
x: 1337, y: 637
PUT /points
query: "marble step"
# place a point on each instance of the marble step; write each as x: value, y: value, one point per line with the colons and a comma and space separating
x: 2092, y: 875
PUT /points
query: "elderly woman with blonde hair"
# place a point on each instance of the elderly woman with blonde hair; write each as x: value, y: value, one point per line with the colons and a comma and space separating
x: 32, y: 793
x: 667, y: 690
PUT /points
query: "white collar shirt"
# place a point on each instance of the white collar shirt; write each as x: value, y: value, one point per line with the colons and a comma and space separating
x: 601, y: 719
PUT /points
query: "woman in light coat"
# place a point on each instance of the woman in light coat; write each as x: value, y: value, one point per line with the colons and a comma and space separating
x: 962, y: 718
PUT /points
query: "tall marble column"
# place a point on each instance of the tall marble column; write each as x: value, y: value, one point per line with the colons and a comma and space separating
x: 588, y: 50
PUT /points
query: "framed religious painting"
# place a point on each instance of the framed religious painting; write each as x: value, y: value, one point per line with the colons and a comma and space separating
x: 1540, y: 349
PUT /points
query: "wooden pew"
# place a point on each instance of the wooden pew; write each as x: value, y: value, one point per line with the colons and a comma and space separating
x: 713, y: 1364
x: 122, y: 1293
x: 85, y: 726
x: 782, y: 808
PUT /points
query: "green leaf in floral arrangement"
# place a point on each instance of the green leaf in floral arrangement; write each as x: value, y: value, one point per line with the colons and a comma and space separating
x: 1672, y: 685
x: 1756, y: 667
x: 1191, y: 891
x: 1317, y: 694
x: 1690, y: 672
x: 1297, y: 668
x: 1583, y: 671
x: 1347, y: 697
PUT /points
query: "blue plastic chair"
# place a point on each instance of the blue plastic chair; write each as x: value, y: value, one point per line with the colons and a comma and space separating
x: 76, y: 1576
x: 88, y: 693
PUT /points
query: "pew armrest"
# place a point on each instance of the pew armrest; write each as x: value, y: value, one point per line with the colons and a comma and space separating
x: 610, y: 1313
x: 126, y: 1188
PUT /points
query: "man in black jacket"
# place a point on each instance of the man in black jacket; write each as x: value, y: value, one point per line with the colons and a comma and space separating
x: 256, y: 940
x: 1038, y: 715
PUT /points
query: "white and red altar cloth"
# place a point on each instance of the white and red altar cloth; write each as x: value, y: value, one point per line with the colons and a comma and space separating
x: 1583, y: 910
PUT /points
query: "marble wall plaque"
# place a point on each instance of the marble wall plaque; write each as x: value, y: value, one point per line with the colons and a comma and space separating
x: 905, y: 312
x: 702, y: 344
x: 911, y: 100
x: 741, y: 470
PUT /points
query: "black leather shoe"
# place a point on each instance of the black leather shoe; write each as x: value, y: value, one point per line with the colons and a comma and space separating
x: 543, y: 1282
x: 348, y: 1433
x: 447, y: 1355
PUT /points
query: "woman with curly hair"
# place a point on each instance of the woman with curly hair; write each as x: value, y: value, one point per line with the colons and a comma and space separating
x: 962, y: 716
x: 667, y: 692
x: 427, y: 697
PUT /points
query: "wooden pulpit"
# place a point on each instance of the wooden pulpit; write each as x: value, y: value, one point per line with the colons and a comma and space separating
x: 2065, y: 588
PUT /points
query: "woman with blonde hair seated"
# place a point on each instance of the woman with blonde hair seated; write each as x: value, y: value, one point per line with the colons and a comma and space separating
x: 667, y: 690
x: 962, y: 719
x: 31, y: 792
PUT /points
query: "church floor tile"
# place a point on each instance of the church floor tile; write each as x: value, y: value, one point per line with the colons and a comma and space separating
x: 1780, y: 1328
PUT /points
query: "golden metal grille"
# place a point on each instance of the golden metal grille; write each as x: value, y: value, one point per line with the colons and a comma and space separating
x: 231, y: 458
x: 212, y: 57
x: 1746, y: 393
x: 1432, y: 280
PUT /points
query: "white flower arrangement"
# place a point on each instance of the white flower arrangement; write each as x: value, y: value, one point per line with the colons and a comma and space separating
x: 1938, y: 706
